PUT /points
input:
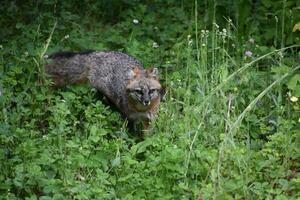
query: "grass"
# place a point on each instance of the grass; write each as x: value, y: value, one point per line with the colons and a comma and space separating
x: 227, y: 128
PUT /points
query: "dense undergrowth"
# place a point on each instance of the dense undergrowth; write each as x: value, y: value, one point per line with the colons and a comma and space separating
x: 229, y: 126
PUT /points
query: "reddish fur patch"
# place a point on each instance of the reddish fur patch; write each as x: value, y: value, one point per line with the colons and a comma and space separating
x: 154, y: 104
x: 81, y: 81
x: 58, y: 81
x: 136, y: 72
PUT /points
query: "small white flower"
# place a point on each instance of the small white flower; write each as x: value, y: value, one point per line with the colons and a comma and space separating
x: 67, y: 36
x: 203, y: 45
x: 233, y: 45
x: 155, y: 28
x: 248, y: 54
x: 1, y: 47
x: 155, y: 45
x: 135, y: 21
x: 293, y: 99
x: 189, y: 37
x: 190, y: 42
x: 45, y: 56
x: 224, y: 30
x: 251, y: 40
x: 216, y: 25
x: 299, y: 120
x: 63, y: 100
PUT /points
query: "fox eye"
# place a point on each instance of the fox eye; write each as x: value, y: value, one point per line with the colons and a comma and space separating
x: 138, y: 91
x: 151, y: 91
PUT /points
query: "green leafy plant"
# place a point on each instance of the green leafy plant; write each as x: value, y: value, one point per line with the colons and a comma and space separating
x: 228, y: 127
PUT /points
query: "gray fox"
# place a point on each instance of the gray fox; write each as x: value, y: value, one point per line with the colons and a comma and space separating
x: 121, y: 78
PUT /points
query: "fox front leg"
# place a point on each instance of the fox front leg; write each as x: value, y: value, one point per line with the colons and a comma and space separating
x: 139, y: 127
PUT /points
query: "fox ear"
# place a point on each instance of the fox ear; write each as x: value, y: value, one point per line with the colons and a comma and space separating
x: 152, y: 73
x: 134, y: 73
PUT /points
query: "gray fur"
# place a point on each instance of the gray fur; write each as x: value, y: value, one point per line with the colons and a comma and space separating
x: 110, y: 73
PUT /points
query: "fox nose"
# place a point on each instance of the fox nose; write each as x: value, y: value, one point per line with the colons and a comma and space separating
x: 146, y: 103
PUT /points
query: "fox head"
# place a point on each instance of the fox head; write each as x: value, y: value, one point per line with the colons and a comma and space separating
x: 143, y: 88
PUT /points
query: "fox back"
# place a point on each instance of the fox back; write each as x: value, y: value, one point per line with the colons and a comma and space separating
x: 120, y: 77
